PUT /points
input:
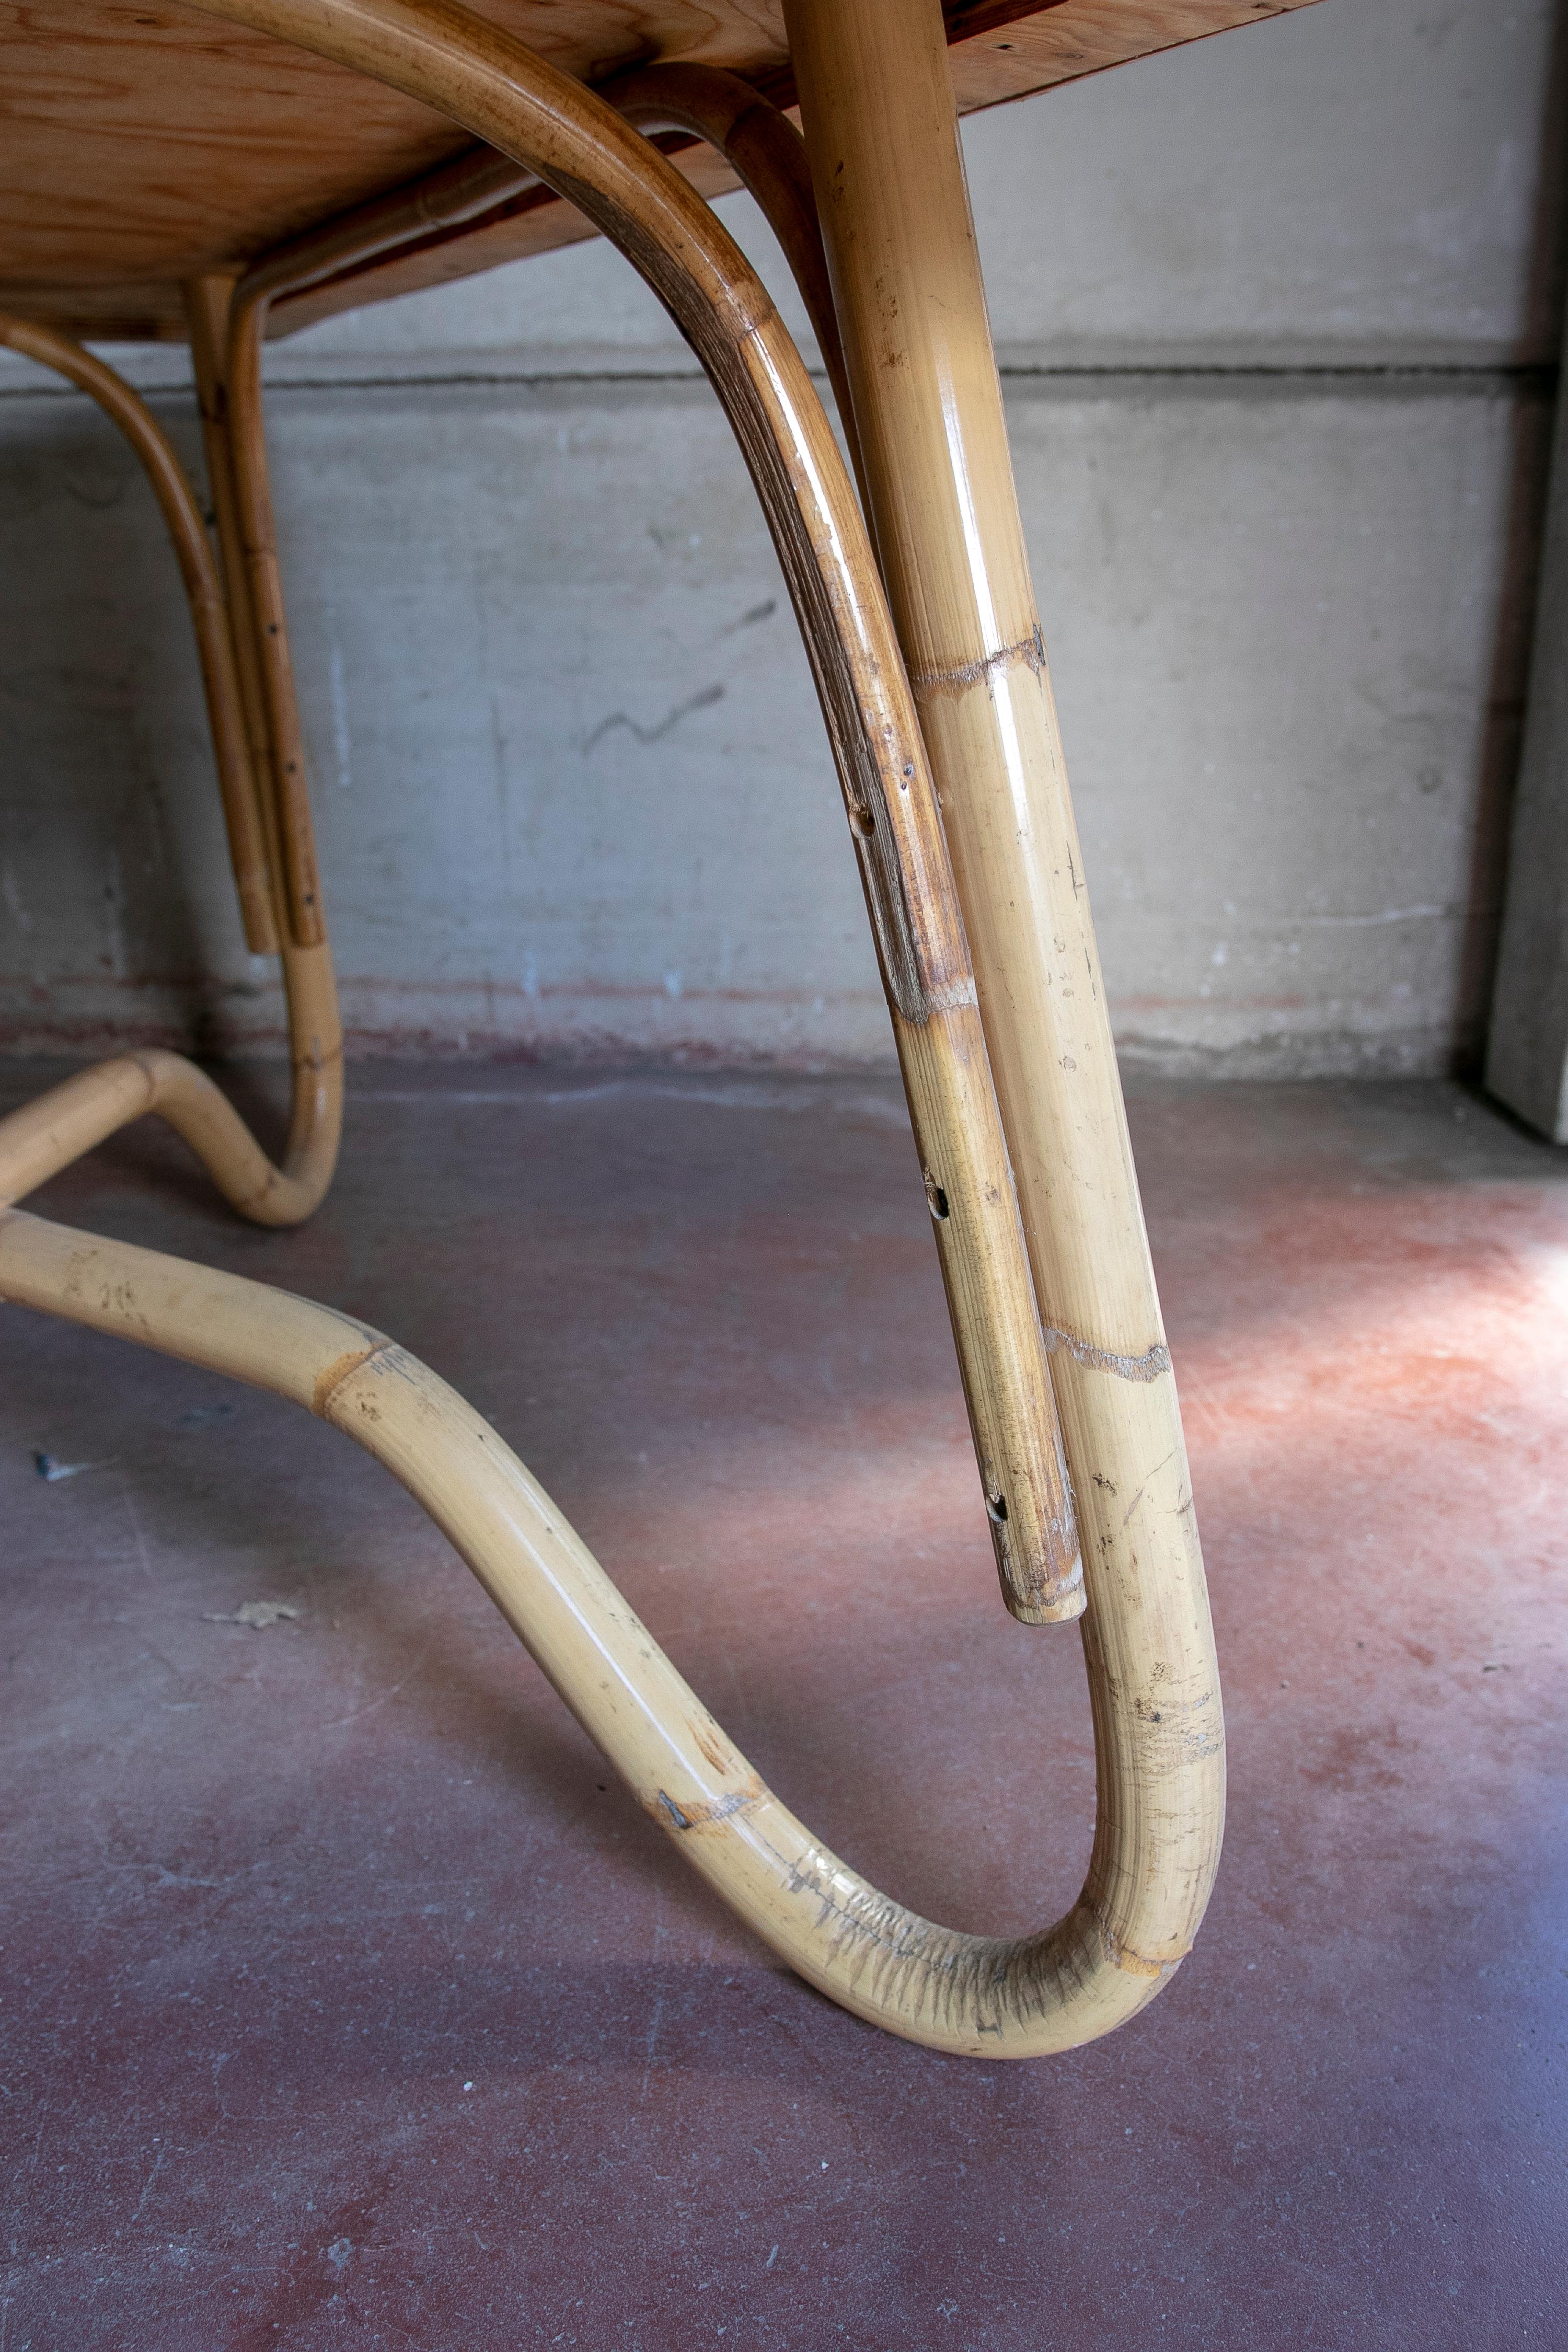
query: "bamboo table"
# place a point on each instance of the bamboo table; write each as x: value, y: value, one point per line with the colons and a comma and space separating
x: 241, y: 169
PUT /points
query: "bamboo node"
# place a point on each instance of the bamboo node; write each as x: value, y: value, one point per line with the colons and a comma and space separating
x: 1146, y: 1366
x: 1031, y: 650
x: 704, y: 1812
x: 330, y: 1380
x: 1134, y: 1964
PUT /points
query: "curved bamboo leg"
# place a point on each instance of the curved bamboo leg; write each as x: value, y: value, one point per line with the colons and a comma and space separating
x: 204, y: 592
x: 552, y: 126
x: 236, y: 470
x: 969, y: 1994
x: 768, y: 157
x: 113, y: 1093
x: 877, y: 101
x: 263, y: 601
x: 1159, y: 1788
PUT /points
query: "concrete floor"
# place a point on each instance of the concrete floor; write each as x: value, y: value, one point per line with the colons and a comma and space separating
x: 346, y: 2001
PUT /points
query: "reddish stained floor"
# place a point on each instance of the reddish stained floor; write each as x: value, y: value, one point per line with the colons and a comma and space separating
x: 345, y: 2002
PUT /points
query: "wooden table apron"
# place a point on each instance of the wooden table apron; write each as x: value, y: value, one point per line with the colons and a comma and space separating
x: 933, y: 677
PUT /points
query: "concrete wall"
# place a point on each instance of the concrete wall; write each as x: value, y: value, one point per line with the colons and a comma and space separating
x: 1275, y: 315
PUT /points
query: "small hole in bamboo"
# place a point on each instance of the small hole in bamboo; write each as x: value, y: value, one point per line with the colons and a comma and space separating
x: 862, y: 820
x: 996, y: 1509
x: 936, y: 1198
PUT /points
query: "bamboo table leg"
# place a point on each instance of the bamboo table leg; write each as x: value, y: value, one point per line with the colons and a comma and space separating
x: 882, y: 134
x: 109, y: 1096
x: 1156, y: 1731
x: 205, y: 593
x: 226, y: 347
x: 768, y: 156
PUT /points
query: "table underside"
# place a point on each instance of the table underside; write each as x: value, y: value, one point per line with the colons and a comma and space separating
x: 143, y: 145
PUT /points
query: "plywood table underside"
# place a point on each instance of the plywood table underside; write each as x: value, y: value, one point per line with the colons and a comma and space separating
x: 144, y: 145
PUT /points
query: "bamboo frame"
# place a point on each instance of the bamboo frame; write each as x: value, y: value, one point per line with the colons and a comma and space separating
x: 768, y: 156
x: 132, y: 1086
x: 759, y: 141
x: 227, y: 347
x: 471, y: 192
x: 1157, y: 1735
x: 881, y: 130
x: 970, y: 1994
x: 552, y: 126
x: 203, y: 593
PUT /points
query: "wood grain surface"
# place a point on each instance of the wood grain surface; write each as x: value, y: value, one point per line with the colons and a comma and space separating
x: 144, y: 145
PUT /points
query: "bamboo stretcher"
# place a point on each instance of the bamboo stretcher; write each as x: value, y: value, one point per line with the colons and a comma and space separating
x: 912, y: 593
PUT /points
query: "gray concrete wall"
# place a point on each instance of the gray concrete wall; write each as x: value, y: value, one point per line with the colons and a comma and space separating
x: 1275, y: 315
x: 1527, y: 1057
